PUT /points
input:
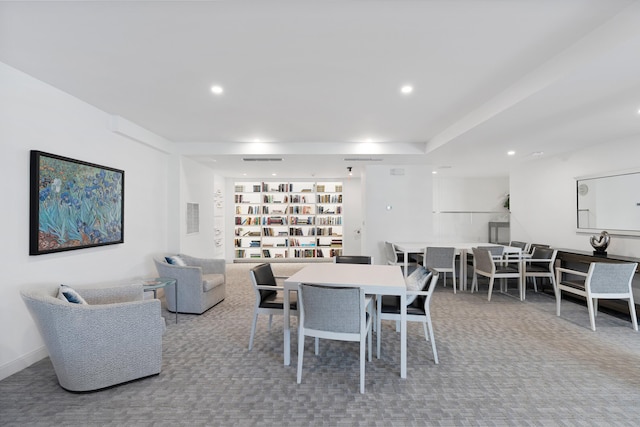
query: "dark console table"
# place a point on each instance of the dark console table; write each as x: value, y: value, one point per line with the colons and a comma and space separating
x: 580, y: 260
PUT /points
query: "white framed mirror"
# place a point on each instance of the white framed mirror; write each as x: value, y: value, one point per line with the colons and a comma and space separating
x: 609, y: 202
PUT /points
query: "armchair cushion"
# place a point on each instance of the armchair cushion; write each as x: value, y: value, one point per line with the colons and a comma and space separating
x: 67, y: 294
x: 211, y: 281
x: 175, y: 260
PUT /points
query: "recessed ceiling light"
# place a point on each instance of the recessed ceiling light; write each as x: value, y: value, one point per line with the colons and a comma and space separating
x: 511, y: 153
x: 274, y: 174
x: 406, y: 89
x: 217, y: 89
x: 257, y: 140
x: 434, y: 172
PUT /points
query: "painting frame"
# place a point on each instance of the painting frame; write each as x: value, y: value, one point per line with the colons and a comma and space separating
x: 73, y: 204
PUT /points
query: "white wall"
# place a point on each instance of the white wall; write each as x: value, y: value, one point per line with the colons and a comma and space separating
x: 465, y: 205
x: 543, y: 196
x: 198, y: 185
x: 410, y: 197
x: 34, y: 115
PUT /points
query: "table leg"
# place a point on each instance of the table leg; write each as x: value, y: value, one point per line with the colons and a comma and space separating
x: 463, y: 270
x: 175, y: 287
x: 287, y: 330
x: 403, y: 335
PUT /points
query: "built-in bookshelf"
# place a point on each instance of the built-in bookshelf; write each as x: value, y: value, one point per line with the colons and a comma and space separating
x: 288, y: 219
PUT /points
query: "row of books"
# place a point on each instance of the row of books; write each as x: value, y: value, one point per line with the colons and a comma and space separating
x: 335, y: 210
x: 271, y: 187
x: 297, y: 253
x: 337, y: 220
x: 304, y: 210
x: 329, y: 198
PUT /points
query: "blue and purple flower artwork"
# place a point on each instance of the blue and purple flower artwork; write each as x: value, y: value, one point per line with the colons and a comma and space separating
x: 79, y: 204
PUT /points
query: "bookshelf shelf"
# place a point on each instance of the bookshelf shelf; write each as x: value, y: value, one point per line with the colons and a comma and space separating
x: 288, y: 219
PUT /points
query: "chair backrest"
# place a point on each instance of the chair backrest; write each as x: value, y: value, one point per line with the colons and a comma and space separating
x: 439, y: 257
x: 518, y: 244
x: 610, y: 278
x: 537, y: 245
x: 495, y: 251
x: 483, y: 260
x: 544, y: 253
x: 353, y: 259
x: 263, y: 275
x: 390, y: 252
x: 429, y: 285
x: 332, y: 309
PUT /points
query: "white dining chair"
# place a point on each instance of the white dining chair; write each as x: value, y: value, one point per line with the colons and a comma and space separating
x: 604, y: 280
x: 335, y: 313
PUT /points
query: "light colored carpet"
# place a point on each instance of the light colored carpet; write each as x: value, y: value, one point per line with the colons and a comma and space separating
x: 502, y: 362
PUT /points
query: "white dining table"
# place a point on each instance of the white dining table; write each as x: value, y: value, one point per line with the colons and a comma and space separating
x: 462, y: 249
x: 374, y: 279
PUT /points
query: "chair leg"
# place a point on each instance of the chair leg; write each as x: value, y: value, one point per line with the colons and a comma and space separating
x: 370, y: 340
x: 592, y: 317
x: 632, y: 312
x: 453, y: 275
x: 300, y: 354
x: 379, y: 327
x: 253, y: 330
x: 317, y: 346
x: 428, y: 324
x: 522, y: 288
x: 535, y: 285
x: 490, y: 288
x: 362, y: 356
x: 270, y: 319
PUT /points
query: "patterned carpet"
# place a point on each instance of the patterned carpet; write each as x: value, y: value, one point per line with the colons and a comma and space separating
x: 501, y: 363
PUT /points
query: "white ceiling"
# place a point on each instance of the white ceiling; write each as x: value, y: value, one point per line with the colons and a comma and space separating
x: 489, y: 76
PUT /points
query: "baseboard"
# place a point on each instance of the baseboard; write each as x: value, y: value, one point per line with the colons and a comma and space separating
x: 23, y: 362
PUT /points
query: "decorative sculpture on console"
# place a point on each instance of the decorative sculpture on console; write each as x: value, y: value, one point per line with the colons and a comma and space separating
x: 600, y: 243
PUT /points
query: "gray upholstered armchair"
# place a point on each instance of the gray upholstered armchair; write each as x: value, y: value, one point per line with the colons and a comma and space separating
x: 201, y: 283
x: 116, y: 338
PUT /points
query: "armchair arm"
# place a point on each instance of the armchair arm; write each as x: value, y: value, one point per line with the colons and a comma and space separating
x: 109, y: 294
x: 540, y: 260
x: 270, y: 288
x: 575, y: 272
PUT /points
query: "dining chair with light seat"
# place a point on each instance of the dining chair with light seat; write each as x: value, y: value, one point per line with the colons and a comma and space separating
x: 484, y: 264
x: 418, y: 306
x: 540, y: 264
x: 443, y: 260
x: 335, y: 313
x: 603, y: 280
x: 269, y: 296
x: 393, y: 256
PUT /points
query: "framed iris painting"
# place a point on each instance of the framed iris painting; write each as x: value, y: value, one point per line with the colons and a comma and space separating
x: 73, y: 204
